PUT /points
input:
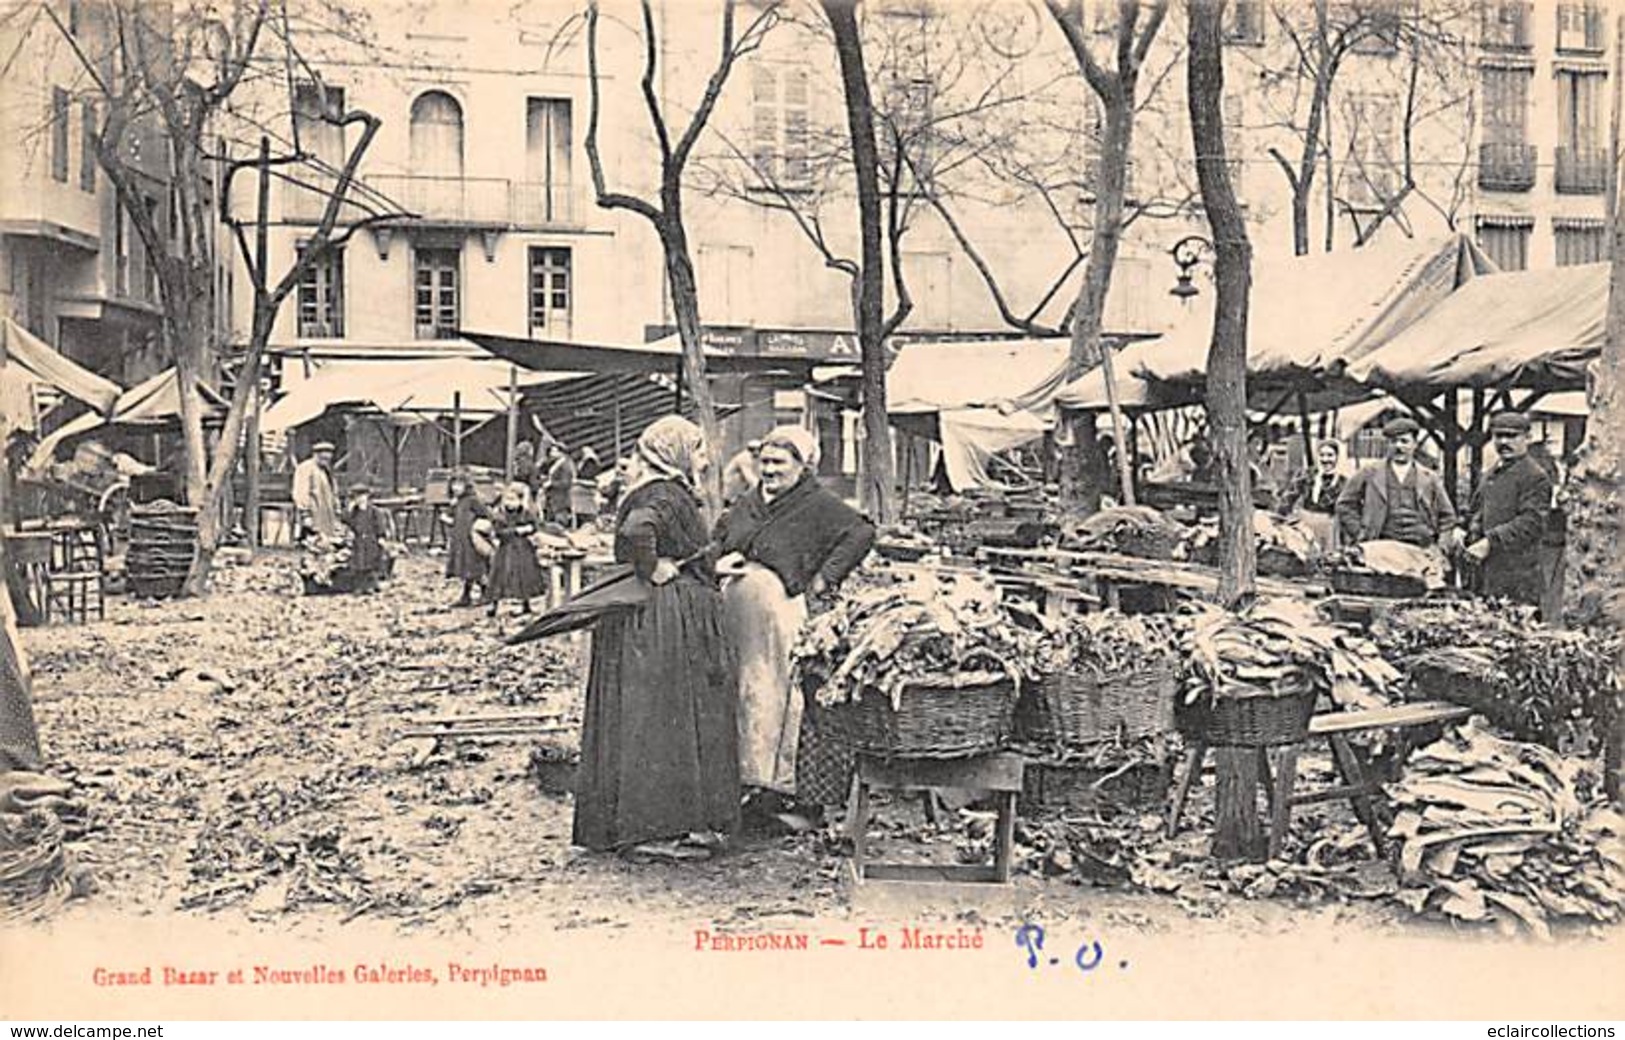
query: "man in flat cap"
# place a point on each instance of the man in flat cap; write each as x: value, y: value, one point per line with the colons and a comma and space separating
x: 314, y: 496
x: 1398, y: 499
x: 1508, y: 516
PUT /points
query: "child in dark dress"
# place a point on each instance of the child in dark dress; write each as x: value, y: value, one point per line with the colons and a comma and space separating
x: 463, y: 558
x: 515, y: 571
x: 368, y: 527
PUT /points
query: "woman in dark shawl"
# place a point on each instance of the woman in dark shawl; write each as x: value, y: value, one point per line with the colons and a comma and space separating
x: 463, y: 558
x: 785, y: 542
x: 659, y: 769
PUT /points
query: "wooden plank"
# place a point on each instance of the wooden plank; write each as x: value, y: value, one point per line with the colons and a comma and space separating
x: 929, y: 872
x: 998, y: 772
x: 1421, y: 713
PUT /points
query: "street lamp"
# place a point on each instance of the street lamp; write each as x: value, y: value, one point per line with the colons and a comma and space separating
x: 1187, y: 253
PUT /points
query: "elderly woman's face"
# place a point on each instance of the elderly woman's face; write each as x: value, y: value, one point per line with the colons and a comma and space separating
x: 780, y: 468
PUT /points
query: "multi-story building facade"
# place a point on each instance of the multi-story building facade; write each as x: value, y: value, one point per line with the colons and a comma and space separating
x: 1444, y: 115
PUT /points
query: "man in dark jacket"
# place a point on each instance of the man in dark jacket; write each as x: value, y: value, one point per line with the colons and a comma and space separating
x: 1398, y: 499
x: 1508, y: 516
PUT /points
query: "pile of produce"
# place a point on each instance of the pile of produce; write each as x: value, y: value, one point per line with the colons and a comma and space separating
x: 33, y: 865
x: 1551, y: 686
x: 322, y: 559
x: 1495, y: 830
x: 1105, y: 643
x: 1256, y: 651
x: 1399, y: 560
x: 1131, y: 530
x: 1288, y: 545
x: 879, y: 636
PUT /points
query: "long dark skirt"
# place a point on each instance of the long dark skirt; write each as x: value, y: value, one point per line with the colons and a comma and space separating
x: 516, y: 573
x: 659, y: 741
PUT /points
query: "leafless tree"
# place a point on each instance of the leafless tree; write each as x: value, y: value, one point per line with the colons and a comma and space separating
x: 666, y: 214
x: 189, y: 73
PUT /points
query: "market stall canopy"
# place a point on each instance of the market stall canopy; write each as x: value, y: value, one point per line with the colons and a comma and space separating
x: 1308, y: 319
x: 475, y: 386
x: 151, y: 403
x: 661, y: 356
x: 1009, y: 375
x: 971, y: 437
x: 1533, y: 330
x: 31, y: 359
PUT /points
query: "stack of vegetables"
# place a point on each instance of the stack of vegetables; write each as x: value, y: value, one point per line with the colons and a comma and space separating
x: 1131, y: 530
x: 1256, y: 651
x: 1548, y: 685
x: 1495, y: 830
x: 1104, y: 643
x: 881, y: 634
x: 1284, y: 547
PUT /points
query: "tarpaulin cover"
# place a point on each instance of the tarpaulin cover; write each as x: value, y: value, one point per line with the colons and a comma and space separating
x: 936, y: 377
x: 1311, y: 315
x: 661, y: 356
x: 31, y: 359
x: 972, y: 436
x: 1535, y: 330
x: 474, y: 385
x: 156, y: 401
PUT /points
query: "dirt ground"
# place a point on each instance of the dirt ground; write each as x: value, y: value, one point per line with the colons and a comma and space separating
x: 242, y: 759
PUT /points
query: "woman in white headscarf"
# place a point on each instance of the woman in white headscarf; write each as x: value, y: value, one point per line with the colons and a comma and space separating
x: 784, y: 541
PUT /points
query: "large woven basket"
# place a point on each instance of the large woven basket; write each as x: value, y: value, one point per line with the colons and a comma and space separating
x: 1083, y: 707
x: 970, y: 713
x: 1266, y: 720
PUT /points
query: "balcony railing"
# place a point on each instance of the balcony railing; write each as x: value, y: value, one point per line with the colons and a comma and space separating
x: 1580, y: 28
x: 481, y: 202
x: 1582, y: 171
x: 1506, y: 167
x: 1505, y: 26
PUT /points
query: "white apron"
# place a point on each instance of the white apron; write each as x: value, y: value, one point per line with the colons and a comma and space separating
x: 764, y: 622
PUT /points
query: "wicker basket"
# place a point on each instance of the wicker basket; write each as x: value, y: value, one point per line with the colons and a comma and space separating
x: 1275, y: 562
x: 967, y: 714
x: 1265, y: 720
x: 1090, y: 788
x: 1087, y: 707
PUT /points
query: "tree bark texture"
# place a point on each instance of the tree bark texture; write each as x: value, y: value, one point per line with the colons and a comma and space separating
x: 1227, y: 353
x: 877, y: 484
x: 685, y: 304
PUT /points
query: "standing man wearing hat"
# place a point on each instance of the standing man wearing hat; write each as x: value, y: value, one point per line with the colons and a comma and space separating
x: 1399, y: 499
x: 314, y: 495
x: 1508, y: 516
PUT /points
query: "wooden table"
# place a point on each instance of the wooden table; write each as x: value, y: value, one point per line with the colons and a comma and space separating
x: 1111, y: 571
x: 999, y: 773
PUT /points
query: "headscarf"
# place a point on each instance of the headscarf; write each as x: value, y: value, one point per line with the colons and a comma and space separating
x: 670, y: 447
x: 1318, y: 478
x: 798, y: 440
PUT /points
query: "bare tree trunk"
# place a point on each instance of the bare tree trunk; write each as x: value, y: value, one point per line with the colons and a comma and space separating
x: 875, y: 491
x: 685, y: 303
x: 1237, y: 828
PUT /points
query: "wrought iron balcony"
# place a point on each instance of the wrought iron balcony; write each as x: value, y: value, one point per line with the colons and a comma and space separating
x: 472, y: 202
x: 1582, y: 171
x: 1506, y: 167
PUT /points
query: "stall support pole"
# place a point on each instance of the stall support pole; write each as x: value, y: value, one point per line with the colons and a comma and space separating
x: 1308, y: 437
x: 619, y: 454
x: 1125, y: 468
x: 251, y: 447
x: 397, y: 444
x: 679, y: 410
x: 457, y: 429
x: 1476, y: 440
x: 513, y: 423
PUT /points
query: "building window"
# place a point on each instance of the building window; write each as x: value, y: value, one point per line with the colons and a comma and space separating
x: 437, y: 135
x: 1506, y: 159
x: 1582, y: 166
x: 59, y: 134
x: 780, y: 98
x: 1244, y: 22
x: 1371, y: 173
x: 1506, y: 240
x: 1504, y: 26
x: 121, y: 248
x: 87, y: 146
x: 1580, y: 241
x: 1377, y: 28
x: 321, y: 295
x: 550, y: 291
x: 316, y: 111
x: 435, y: 302
x: 546, y: 198
x: 1580, y: 28
x: 75, y: 12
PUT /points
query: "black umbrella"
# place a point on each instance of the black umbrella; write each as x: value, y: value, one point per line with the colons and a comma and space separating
x: 620, y: 590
